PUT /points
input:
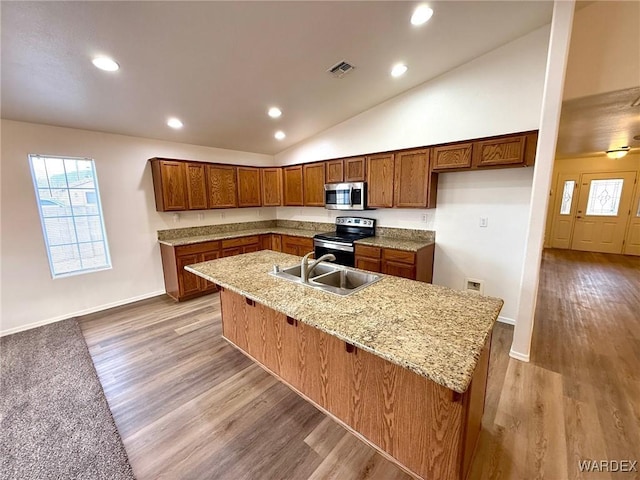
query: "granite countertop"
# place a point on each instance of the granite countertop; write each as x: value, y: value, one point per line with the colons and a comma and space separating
x: 176, y: 242
x: 395, y: 243
x: 433, y: 331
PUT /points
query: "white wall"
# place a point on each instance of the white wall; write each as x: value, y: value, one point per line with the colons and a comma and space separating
x: 29, y: 295
x: 500, y: 92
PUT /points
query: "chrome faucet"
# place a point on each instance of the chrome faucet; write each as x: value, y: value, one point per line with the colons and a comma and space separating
x: 306, y: 269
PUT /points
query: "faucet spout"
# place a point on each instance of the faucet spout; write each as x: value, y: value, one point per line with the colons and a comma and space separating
x: 306, y: 268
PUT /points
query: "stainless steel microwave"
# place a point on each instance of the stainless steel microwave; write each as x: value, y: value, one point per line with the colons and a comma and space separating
x: 345, y: 196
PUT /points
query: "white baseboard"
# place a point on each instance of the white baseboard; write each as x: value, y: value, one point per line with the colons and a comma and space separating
x: 507, y: 320
x: 519, y: 356
x: 87, y: 311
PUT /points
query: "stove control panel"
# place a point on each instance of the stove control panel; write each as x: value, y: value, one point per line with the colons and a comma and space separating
x: 355, y: 222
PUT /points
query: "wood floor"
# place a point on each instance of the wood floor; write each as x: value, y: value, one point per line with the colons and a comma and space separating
x: 190, y: 406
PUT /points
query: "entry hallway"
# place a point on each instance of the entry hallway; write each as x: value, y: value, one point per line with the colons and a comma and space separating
x: 188, y: 405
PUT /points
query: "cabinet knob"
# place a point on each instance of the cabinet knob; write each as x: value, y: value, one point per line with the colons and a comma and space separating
x: 291, y: 321
x: 349, y: 348
x: 249, y: 301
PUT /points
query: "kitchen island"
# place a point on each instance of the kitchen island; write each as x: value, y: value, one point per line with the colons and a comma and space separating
x: 402, y: 364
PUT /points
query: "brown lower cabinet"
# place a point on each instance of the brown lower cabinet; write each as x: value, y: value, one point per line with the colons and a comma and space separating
x: 413, y: 265
x: 427, y: 429
x: 296, y: 245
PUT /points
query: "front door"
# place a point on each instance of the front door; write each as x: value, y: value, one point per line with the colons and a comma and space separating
x: 602, y: 212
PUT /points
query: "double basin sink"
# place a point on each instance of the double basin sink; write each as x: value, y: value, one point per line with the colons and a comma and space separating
x: 330, y: 278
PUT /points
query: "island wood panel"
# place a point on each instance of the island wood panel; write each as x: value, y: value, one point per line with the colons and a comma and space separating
x: 334, y: 171
x: 412, y: 179
x: 170, y: 185
x: 416, y: 422
x: 380, y: 179
x: 355, y: 169
x: 249, y: 191
x: 196, y: 186
x: 452, y: 156
x: 314, y: 180
x: 293, y: 186
x: 271, y: 187
x: 222, y: 184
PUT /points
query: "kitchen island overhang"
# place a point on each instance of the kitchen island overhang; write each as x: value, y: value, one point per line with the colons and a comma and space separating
x: 403, y: 364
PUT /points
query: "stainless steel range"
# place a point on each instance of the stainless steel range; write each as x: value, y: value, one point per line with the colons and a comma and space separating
x: 341, y: 241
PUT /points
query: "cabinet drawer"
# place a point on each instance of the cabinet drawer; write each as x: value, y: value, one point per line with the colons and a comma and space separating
x: 399, y: 256
x: 197, y: 248
x: 240, y: 242
x: 298, y: 241
x: 365, y: 251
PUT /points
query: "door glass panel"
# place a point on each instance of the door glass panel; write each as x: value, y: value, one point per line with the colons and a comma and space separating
x: 638, y: 210
x: 604, y: 197
x: 567, y: 197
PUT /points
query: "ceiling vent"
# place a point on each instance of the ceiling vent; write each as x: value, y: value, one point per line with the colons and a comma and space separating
x: 340, y: 69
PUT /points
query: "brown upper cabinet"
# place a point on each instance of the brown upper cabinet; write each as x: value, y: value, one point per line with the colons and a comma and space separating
x: 249, y: 191
x: 355, y: 169
x: 196, y: 186
x: 271, y: 187
x: 380, y: 180
x: 501, y: 151
x: 452, y: 156
x: 222, y: 186
x: 293, y: 186
x: 170, y: 185
x: 412, y: 183
x: 313, y: 174
x: 334, y: 171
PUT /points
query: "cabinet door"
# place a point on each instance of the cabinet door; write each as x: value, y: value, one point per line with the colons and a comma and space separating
x: 206, y: 285
x: 334, y: 171
x: 230, y: 252
x: 355, y: 169
x: 399, y: 269
x: 289, y: 245
x: 265, y: 242
x: 169, y: 183
x: 249, y: 191
x: 313, y: 184
x: 271, y: 187
x: 222, y: 186
x: 380, y: 180
x: 366, y: 263
x: 251, y: 248
x: 450, y: 157
x: 501, y: 151
x: 196, y: 186
x: 412, y: 179
x: 188, y: 282
x: 276, y: 243
x: 293, y: 186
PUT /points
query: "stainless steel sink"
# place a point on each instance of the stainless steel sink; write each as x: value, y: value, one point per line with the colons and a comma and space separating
x: 330, y: 278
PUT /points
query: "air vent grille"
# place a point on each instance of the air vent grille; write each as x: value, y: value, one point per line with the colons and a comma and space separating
x: 340, y: 69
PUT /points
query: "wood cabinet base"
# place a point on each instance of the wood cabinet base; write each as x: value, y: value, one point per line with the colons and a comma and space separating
x: 425, y: 428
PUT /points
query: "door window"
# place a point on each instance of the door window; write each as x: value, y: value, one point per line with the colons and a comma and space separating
x: 604, y: 197
x: 567, y: 197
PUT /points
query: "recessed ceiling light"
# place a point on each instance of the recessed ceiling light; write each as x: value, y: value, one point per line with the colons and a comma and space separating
x: 274, y: 112
x: 105, y: 63
x: 421, y: 15
x: 636, y: 137
x: 279, y: 135
x: 618, y: 152
x: 174, y: 123
x: 398, y: 70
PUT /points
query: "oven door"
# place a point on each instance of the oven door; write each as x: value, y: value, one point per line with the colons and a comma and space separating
x: 344, y: 253
x: 345, y: 196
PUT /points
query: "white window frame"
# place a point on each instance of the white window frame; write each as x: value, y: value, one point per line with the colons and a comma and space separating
x: 77, y: 243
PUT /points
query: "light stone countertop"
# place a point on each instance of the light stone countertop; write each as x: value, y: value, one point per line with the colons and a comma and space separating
x: 395, y: 243
x: 433, y: 331
x: 176, y: 242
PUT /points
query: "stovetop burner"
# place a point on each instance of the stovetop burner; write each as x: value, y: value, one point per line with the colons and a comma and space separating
x: 341, y: 237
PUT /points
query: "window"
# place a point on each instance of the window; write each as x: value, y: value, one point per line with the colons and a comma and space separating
x: 604, y: 197
x: 567, y: 197
x: 71, y: 214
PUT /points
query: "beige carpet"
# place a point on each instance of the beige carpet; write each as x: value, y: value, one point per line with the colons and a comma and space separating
x: 54, y: 419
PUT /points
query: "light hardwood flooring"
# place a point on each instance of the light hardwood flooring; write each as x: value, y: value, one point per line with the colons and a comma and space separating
x: 190, y: 406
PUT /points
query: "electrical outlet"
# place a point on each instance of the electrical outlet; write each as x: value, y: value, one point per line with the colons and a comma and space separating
x: 176, y: 217
x: 201, y: 216
x: 221, y: 214
x: 484, y: 222
x: 474, y: 285
x: 423, y: 217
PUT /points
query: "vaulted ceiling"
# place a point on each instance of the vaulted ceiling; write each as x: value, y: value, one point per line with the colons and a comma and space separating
x: 219, y: 66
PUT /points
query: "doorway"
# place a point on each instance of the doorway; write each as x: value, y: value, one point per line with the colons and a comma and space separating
x: 593, y: 212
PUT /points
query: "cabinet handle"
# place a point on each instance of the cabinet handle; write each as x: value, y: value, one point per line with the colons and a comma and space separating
x: 292, y: 321
x: 349, y: 348
x: 249, y: 301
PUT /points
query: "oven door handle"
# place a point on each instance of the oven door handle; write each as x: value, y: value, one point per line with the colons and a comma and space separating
x: 333, y: 245
x: 351, y: 195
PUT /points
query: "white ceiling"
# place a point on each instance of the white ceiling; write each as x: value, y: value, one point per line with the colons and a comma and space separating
x: 219, y: 65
